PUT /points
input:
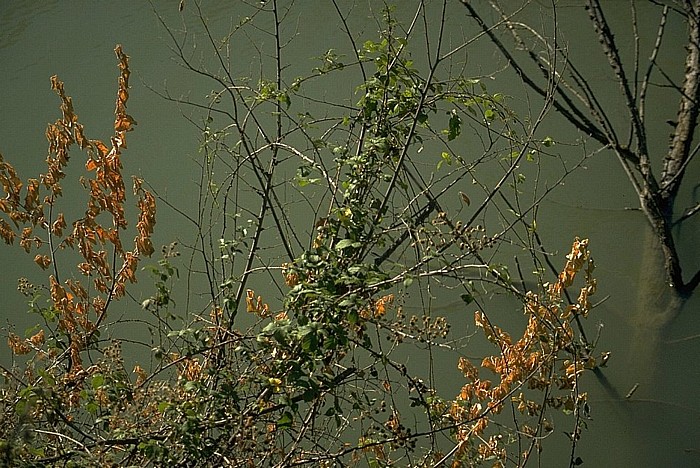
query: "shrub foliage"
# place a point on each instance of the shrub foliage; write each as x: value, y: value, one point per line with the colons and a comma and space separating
x: 315, y: 341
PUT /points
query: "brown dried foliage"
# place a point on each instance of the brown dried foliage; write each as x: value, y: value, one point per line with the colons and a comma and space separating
x: 532, y: 362
x: 32, y: 215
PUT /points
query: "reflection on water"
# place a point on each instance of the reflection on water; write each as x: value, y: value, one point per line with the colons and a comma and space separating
x: 15, y: 17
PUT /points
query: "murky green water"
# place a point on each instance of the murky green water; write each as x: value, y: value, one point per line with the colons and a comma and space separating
x: 660, y: 426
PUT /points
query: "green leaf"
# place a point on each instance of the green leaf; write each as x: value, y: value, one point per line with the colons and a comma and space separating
x: 284, y: 99
x: 445, y: 158
x: 92, y: 407
x: 97, y: 381
x: 309, y: 394
x: 467, y: 298
x: 285, y: 420
x: 346, y: 243
x: 454, y: 126
x: 163, y: 406
x: 309, y: 340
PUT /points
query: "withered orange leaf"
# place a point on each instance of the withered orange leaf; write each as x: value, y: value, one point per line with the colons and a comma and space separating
x: 469, y: 370
x: 43, y: 261
x: 101, y: 148
x: 17, y: 345
x: 128, y: 270
x: 124, y: 124
x: 59, y: 225
x: 32, y: 196
x: 80, y: 136
x: 11, y: 183
x: 38, y: 338
x: 6, y: 232
x: 77, y: 289
x: 25, y: 239
x: 85, y: 268
x: 101, y: 286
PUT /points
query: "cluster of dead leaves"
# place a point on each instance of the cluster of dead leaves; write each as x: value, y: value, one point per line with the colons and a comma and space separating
x: 533, y: 361
x: 378, y: 308
x: 256, y: 306
x: 32, y: 214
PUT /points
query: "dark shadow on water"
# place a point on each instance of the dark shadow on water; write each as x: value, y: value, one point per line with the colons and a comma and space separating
x: 612, y: 392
